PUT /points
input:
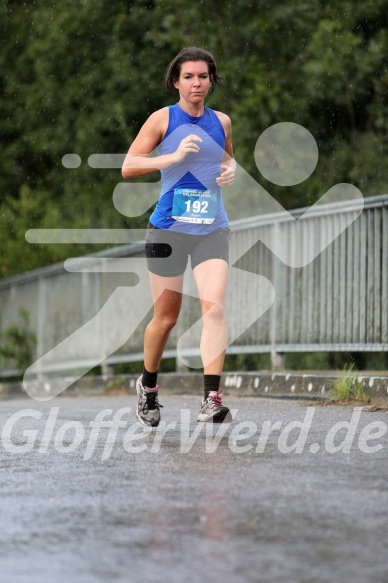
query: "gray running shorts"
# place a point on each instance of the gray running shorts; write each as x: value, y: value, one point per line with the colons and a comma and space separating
x: 167, y: 252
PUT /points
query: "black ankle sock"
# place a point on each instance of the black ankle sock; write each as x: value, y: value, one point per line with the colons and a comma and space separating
x: 211, y: 382
x: 149, y: 379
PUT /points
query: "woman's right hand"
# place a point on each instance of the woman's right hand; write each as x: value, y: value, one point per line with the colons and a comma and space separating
x: 186, y: 146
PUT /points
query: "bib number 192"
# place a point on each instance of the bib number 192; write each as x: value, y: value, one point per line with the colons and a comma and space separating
x: 196, y: 206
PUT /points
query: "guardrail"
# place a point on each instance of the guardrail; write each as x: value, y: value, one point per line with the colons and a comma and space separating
x: 337, y: 302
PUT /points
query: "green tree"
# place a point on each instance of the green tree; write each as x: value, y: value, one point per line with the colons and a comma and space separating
x: 83, y: 76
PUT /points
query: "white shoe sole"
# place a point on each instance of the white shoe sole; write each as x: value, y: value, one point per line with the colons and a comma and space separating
x: 222, y: 415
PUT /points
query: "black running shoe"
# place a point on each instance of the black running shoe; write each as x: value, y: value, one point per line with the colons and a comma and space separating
x: 212, y: 408
x: 147, y: 410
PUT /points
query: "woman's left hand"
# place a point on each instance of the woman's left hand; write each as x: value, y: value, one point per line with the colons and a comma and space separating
x: 226, y: 178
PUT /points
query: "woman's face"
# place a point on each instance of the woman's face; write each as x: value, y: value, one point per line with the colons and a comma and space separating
x: 194, y: 81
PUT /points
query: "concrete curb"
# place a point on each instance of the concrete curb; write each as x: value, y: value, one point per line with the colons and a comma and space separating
x: 306, y: 385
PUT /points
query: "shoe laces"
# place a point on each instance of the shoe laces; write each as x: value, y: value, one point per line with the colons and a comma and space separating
x: 151, y: 402
x: 215, y: 398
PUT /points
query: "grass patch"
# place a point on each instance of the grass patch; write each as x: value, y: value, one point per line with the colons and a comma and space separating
x: 116, y: 386
x: 348, y: 388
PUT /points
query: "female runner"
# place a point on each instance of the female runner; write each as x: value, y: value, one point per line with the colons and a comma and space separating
x: 195, y: 158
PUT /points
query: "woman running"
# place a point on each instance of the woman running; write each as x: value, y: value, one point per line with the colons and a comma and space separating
x: 195, y: 158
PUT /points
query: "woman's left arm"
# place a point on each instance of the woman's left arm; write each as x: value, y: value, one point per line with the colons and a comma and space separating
x: 228, y: 166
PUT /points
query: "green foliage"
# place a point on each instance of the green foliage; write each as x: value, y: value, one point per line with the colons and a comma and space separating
x: 17, y: 343
x: 116, y: 384
x: 234, y: 362
x: 83, y: 76
x: 348, y: 387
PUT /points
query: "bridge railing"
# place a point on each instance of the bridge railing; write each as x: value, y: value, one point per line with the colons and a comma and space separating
x: 336, y: 302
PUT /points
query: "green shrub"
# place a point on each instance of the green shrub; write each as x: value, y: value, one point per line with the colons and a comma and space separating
x: 348, y: 388
x: 17, y: 343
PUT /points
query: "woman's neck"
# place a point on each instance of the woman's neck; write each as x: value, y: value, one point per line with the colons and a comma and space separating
x: 195, y: 110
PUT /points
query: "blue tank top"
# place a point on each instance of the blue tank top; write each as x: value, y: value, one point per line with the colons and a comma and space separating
x: 190, y: 200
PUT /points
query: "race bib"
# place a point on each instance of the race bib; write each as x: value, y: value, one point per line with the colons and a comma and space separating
x: 194, y: 206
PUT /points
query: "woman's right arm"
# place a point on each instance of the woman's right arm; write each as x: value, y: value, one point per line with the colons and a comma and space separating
x: 138, y: 163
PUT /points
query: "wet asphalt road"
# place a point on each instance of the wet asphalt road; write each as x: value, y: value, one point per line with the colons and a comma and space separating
x: 80, y: 504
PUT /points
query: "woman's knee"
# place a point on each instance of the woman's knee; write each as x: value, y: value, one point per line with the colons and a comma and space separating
x: 214, y: 312
x: 166, y: 321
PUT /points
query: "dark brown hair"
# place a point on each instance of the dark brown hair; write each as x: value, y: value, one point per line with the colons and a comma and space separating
x: 190, y: 54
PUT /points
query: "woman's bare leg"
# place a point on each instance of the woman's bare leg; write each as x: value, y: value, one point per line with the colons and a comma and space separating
x: 167, y: 300
x: 211, y: 278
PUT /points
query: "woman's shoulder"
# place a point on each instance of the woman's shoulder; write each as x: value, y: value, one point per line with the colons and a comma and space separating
x: 159, y: 116
x: 224, y: 119
x: 158, y: 121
